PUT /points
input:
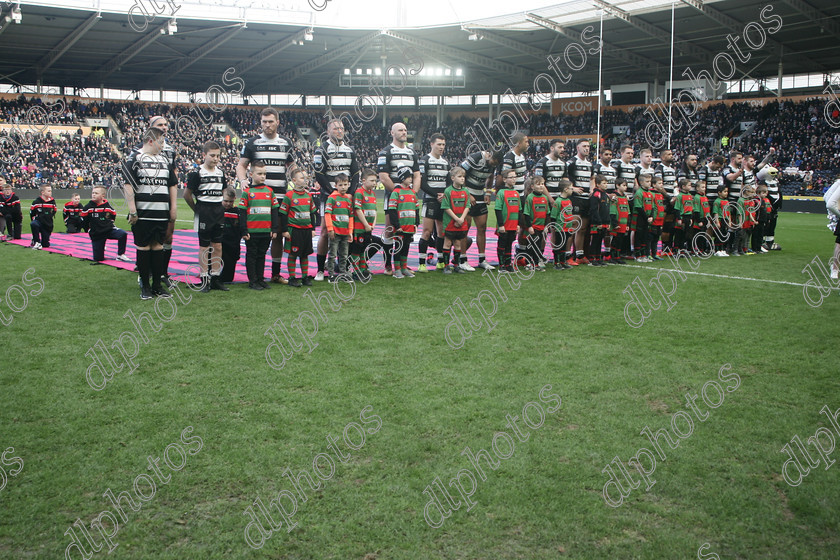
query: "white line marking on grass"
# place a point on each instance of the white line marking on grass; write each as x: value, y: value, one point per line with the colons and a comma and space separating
x: 716, y: 275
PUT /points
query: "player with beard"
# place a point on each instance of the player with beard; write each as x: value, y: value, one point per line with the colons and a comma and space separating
x: 750, y: 168
x: 479, y: 167
x: 711, y: 175
x: 276, y: 152
x: 331, y: 159
x: 666, y: 171
x: 580, y: 174
x: 688, y: 170
x: 515, y: 159
x: 552, y: 168
x: 434, y: 178
x: 733, y: 175
x: 626, y: 169
x: 391, y: 158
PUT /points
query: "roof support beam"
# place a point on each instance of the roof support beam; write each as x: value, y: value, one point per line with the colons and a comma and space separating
x: 505, y: 42
x: 610, y: 50
x: 826, y: 21
x: 136, y: 48
x: 198, y: 53
x: 290, y: 75
x: 737, y: 27
x: 59, y: 50
x: 688, y: 48
x: 243, y: 66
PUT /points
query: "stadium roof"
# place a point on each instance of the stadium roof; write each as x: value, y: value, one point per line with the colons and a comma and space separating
x: 85, y: 48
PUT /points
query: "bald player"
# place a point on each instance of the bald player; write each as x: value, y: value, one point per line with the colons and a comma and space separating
x: 391, y: 159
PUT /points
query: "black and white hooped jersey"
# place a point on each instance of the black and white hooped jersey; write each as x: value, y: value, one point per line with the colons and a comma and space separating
x: 150, y: 176
x: 276, y: 154
x: 609, y: 173
x: 691, y: 174
x: 644, y: 171
x: 713, y: 181
x: 734, y: 186
x: 749, y: 178
x: 669, y: 178
x: 392, y: 158
x: 434, y: 175
x: 517, y: 162
x: 478, y: 170
x: 580, y: 174
x: 331, y: 160
x: 207, y: 186
x: 552, y: 170
x: 773, y: 192
x: 626, y: 171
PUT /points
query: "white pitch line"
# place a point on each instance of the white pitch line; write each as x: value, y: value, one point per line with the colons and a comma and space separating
x: 716, y: 275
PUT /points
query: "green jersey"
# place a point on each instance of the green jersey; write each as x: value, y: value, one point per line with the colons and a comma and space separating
x: 507, y: 209
x: 366, y: 202
x: 457, y: 200
x: 298, y: 206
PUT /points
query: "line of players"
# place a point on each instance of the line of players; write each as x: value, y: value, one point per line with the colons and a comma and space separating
x: 151, y: 193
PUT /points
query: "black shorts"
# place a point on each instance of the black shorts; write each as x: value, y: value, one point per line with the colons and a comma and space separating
x: 210, y: 220
x: 837, y: 233
x: 455, y: 235
x: 580, y: 205
x: 432, y: 209
x: 479, y: 208
x: 301, y: 243
x: 146, y: 232
x: 359, y: 241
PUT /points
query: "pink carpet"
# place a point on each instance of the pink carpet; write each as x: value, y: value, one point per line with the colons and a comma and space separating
x: 185, y: 252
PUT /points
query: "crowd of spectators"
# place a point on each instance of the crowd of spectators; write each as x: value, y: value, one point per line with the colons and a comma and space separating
x: 802, y: 136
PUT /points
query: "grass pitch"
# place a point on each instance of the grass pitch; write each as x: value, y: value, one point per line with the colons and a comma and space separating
x: 381, y: 362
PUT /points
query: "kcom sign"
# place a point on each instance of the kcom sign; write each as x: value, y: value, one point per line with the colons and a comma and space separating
x: 574, y: 105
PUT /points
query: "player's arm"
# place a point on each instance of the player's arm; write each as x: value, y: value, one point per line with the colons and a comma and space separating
x: 189, y: 192
x: 173, y: 194
x: 291, y: 165
x: 382, y: 168
x: 128, y: 189
x: 766, y: 159
x: 424, y: 181
x: 355, y: 173
x: 417, y: 183
x: 324, y: 184
x: 385, y: 179
x: 733, y: 176
x: 418, y: 207
x: 242, y: 171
